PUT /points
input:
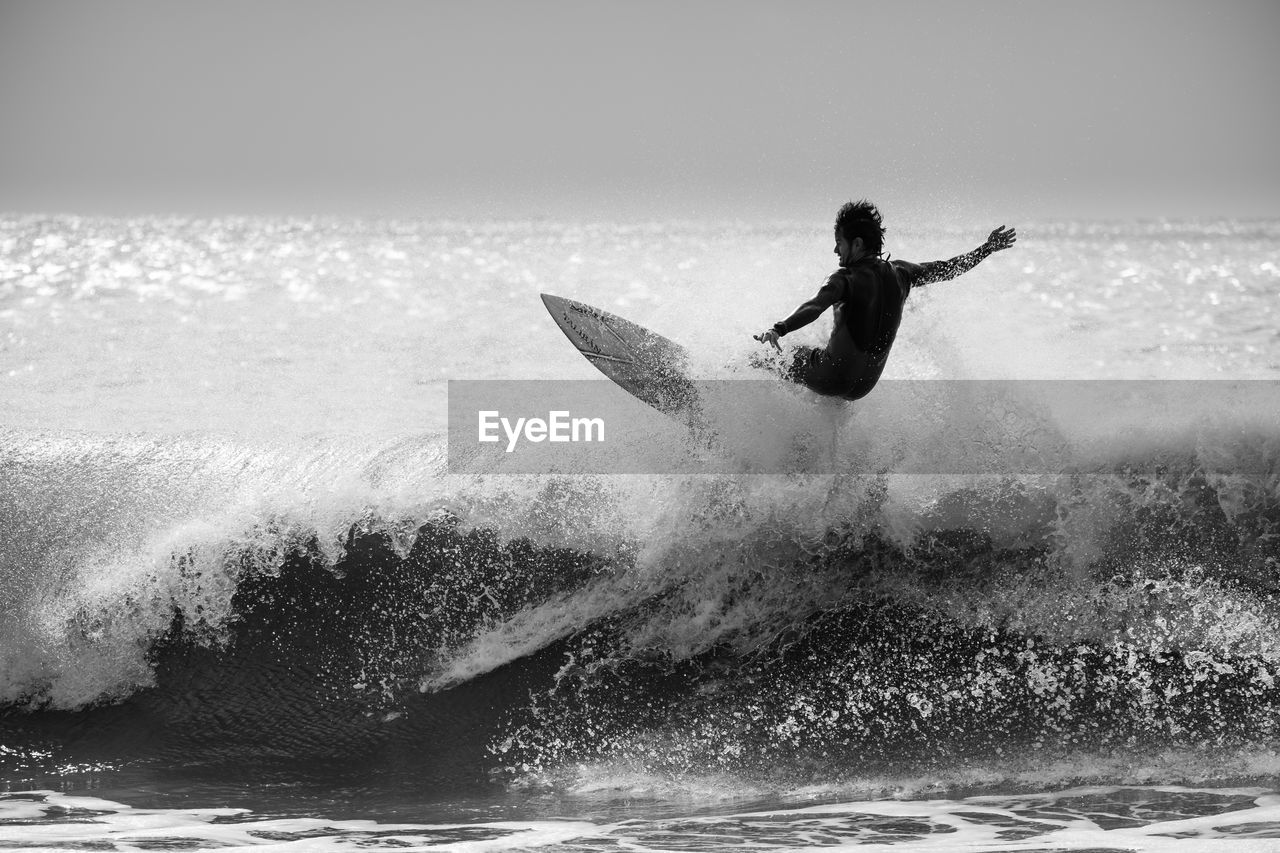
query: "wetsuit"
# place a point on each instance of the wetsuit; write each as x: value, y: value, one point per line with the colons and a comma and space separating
x: 868, y: 296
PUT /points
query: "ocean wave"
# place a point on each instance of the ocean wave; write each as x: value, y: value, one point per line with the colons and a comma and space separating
x: 340, y: 602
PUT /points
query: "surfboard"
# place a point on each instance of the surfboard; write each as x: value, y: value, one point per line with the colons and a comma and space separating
x: 648, y: 366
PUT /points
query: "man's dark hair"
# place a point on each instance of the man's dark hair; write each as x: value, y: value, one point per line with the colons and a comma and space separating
x: 861, y: 219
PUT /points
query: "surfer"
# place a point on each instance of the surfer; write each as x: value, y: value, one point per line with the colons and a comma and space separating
x: 868, y: 293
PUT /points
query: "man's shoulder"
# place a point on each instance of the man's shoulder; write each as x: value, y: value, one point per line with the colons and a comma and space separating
x: 854, y: 272
x: 848, y: 284
x: 858, y: 274
x: 844, y: 279
x: 908, y: 272
x: 837, y: 278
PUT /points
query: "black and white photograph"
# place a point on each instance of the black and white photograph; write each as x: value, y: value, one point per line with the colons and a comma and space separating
x: 596, y: 425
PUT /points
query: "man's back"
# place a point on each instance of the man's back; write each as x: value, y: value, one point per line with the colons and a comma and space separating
x: 866, y: 317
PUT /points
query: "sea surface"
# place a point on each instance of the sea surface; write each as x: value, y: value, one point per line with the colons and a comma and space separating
x: 245, y: 601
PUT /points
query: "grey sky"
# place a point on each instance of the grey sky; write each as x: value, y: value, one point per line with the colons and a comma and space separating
x: 640, y: 109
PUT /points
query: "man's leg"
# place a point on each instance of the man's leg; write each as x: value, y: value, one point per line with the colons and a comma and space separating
x: 810, y: 366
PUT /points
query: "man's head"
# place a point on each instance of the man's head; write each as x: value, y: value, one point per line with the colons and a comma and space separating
x: 860, y: 221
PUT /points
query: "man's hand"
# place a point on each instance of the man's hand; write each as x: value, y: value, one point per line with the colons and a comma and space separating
x: 1000, y: 239
x: 768, y: 336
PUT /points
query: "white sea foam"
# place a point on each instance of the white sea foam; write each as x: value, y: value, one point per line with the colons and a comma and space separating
x: 1085, y: 818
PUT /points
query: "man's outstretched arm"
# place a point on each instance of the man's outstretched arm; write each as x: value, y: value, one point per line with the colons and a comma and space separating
x: 1000, y: 239
x: 805, y: 314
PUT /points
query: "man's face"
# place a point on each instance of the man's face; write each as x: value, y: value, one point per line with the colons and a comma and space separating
x: 846, y: 250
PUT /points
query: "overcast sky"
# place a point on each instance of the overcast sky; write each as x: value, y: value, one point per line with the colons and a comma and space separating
x: 586, y: 110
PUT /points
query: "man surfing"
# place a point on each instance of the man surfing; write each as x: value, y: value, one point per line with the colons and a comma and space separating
x: 868, y: 293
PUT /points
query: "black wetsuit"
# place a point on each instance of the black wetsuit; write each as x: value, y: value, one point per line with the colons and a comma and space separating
x: 868, y: 296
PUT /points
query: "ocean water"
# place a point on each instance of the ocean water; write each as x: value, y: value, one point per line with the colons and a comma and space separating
x: 246, y: 601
